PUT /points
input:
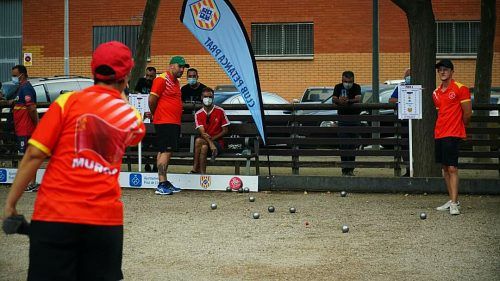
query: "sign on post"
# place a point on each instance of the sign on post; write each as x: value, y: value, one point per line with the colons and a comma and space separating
x: 410, y: 107
x: 140, y: 102
x: 410, y: 102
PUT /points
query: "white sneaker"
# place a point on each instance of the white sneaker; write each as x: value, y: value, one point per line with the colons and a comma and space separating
x: 446, y: 206
x: 454, y: 209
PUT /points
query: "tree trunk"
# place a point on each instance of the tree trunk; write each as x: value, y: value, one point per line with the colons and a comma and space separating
x: 484, y: 64
x: 422, y: 26
x: 144, y: 41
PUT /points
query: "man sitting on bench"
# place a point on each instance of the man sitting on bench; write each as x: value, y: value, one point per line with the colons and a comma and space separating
x: 211, y: 122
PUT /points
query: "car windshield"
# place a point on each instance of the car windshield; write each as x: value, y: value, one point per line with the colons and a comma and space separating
x: 317, y: 94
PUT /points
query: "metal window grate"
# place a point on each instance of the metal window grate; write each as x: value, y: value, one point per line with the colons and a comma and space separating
x: 127, y: 34
x: 283, y: 39
x: 457, y: 37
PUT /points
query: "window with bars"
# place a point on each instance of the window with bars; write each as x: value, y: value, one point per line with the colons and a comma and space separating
x: 457, y: 37
x: 283, y: 39
x: 127, y: 34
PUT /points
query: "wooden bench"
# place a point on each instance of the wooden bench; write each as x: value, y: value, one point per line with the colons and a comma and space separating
x: 241, y: 148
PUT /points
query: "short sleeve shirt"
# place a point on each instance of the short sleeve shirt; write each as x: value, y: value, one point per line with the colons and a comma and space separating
x: 143, y: 86
x: 212, y: 121
x: 449, y: 122
x: 26, y: 96
x: 354, y: 91
x: 86, y: 134
x: 192, y: 95
x: 169, y: 109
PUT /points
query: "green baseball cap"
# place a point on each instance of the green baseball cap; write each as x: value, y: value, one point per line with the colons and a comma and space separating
x: 179, y: 60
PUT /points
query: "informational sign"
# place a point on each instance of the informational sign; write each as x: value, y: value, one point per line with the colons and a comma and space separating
x: 410, y: 101
x: 140, y: 102
x: 28, y: 59
x: 150, y: 180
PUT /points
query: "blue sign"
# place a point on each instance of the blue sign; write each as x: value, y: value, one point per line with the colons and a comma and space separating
x: 3, y: 175
x: 135, y: 180
x: 219, y: 29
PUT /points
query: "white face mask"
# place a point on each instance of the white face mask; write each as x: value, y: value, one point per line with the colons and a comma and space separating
x: 208, y: 101
x: 347, y: 86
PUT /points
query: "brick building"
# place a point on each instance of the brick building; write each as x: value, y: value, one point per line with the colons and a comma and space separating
x: 298, y: 43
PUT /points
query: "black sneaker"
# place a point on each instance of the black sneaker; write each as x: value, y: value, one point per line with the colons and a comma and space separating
x: 32, y: 187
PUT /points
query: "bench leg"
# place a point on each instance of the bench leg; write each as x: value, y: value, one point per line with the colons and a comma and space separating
x: 237, y: 168
x: 257, y: 166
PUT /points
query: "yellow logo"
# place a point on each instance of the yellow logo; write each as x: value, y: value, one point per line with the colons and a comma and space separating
x: 205, y: 14
x: 205, y: 181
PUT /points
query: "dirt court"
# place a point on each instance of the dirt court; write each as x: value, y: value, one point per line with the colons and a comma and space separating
x: 180, y: 238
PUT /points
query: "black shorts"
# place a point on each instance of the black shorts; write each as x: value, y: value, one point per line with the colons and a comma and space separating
x: 65, y: 251
x: 167, y: 137
x: 446, y: 151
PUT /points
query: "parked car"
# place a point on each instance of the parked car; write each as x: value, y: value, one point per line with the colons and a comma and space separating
x: 228, y: 94
x: 324, y: 95
x: 49, y: 88
x: 394, y: 82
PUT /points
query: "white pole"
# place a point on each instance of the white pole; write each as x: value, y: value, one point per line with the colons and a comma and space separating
x: 410, y: 137
x: 139, y: 152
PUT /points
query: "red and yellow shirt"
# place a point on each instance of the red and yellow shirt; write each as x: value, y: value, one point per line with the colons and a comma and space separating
x: 86, y: 134
x: 168, y: 90
x: 449, y: 122
x: 212, y: 121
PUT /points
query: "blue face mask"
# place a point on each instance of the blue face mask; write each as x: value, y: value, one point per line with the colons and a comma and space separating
x: 407, y: 80
x: 192, y: 81
x: 15, y: 80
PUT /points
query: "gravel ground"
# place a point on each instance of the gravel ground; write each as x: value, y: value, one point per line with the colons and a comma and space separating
x: 180, y: 238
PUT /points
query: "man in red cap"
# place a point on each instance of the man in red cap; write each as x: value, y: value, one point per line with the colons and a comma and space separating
x: 453, y: 104
x: 165, y: 103
x: 76, y: 230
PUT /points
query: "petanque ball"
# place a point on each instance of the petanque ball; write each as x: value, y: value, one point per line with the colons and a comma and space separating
x: 292, y: 210
x: 345, y: 228
x: 240, y: 190
x: 251, y: 199
x: 246, y: 190
x: 256, y: 215
x: 343, y: 193
x: 423, y: 216
x: 270, y: 209
x: 213, y: 206
x: 228, y: 189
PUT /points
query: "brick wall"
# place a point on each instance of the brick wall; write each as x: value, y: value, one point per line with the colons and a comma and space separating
x: 342, y: 31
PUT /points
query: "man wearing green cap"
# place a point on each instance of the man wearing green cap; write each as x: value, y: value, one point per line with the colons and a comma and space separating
x: 165, y: 103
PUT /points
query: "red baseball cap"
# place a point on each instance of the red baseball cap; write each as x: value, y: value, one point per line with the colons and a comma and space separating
x: 116, y: 56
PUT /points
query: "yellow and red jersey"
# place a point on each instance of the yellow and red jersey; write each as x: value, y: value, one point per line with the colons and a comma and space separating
x: 449, y: 122
x: 86, y: 134
x: 168, y: 90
